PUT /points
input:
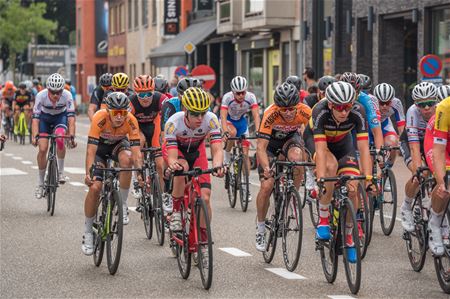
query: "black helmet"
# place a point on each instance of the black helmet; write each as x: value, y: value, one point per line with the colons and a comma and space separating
x: 185, y: 83
x: 295, y: 80
x: 286, y: 95
x: 366, y: 82
x: 117, y: 100
x: 353, y: 79
x: 105, y: 79
x: 326, y: 81
x: 161, y: 84
x: 22, y: 85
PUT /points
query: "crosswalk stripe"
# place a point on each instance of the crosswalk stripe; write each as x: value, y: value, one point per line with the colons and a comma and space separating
x: 340, y: 297
x: 8, y: 154
x: 76, y: 184
x: 235, y: 251
x: 74, y: 170
x: 17, y: 158
x: 285, y: 273
x: 11, y: 171
x: 27, y: 162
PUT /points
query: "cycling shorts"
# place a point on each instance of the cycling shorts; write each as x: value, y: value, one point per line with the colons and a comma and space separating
x: 21, y: 105
x: 388, y: 128
x: 197, y: 159
x: 48, y: 122
x: 241, y: 126
x: 405, y: 150
x: 148, y: 129
x: 108, y: 151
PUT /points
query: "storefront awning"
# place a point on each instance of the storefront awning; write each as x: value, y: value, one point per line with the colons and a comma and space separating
x: 171, y: 53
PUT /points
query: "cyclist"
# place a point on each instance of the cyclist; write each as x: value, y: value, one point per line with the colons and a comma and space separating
x: 279, y: 129
x: 412, y: 144
x: 162, y: 86
x: 390, y: 105
x: 119, y: 83
x: 185, y: 149
x: 37, y: 87
x: 329, y: 141
x: 297, y: 82
x: 98, y: 94
x: 443, y: 92
x: 235, y: 105
x: 53, y: 112
x: 314, y: 98
x: 437, y: 153
x: 22, y: 101
x: 7, y: 96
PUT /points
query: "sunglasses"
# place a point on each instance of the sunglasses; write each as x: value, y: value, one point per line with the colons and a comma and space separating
x: 388, y: 103
x: 343, y: 107
x: 197, y: 114
x: 119, y: 89
x: 116, y: 113
x: 240, y: 93
x: 55, y: 92
x: 145, y: 94
x: 425, y: 104
x: 288, y: 110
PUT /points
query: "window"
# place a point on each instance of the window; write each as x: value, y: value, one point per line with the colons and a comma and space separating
x: 121, y: 17
x: 254, y: 7
x: 154, y: 10
x: 112, y: 20
x: 144, y: 12
x: 130, y: 10
x: 440, y: 37
x: 285, y: 60
x: 225, y: 11
x: 136, y: 13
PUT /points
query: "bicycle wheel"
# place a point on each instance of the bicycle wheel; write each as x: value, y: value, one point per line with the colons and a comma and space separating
x: 158, y: 213
x: 313, y: 210
x: 271, y: 232
x: 292, y: 230
x: 416, y: 241
x: 51, y: 187
x: 147, y: 214
x: 114, y: 224
x: 328, y: 250
x: 230, y: 185
x: 99, y: 242
x: 244, y: 187
x: 352, y: 269
x: 442, y: 264
x: 183, y: 253
x: 363, y: 220
x: 302, y: 191
x: 388, y: 208
x: 205, y: 248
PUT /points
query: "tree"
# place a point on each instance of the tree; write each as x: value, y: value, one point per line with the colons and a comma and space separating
x: 19, y: 25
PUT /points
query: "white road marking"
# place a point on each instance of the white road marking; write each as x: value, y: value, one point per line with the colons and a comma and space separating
x: 389, y: 217
x: 132, y: 209
x: 74, y: 170
x: 11, y: 171
x: 9, y: 154
x: 17, y: 158
x: 285, y: 273
x: 235, y: 251
x: 340, y: 297
x: 27, y: 162
x: 34, y: 167
x: 77, y: 184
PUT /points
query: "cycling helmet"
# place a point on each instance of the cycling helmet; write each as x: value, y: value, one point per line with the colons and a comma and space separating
x: 55, y: 82
x: 117, y: 100
x: 326, y: 81
x: 196, y: 99
x: 424, y: 90
x: 68, y: 81
x: 185, y: 83
x: 366, y: 82
x: 286, y: 95
x: 143, y: 83
x: 340, y: 93
x: 384, y: 92
x: 443, y: 92
x: 22, y: 85
x: 295, y: 80
x: 161, y: 84
x: 35, y: 81
x: 238, y: 83
x: 8, y: 85
x: 353, y: 79
x: 105, y: 79
x: 120, y: 81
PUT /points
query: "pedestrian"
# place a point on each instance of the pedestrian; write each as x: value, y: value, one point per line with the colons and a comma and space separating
x: 309, y: 76
x: 173, y: 86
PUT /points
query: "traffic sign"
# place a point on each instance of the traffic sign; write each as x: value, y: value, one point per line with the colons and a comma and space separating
x: 181, y: 71
x: 206, y: 74
x: 189, y: 48
x: 430, y: 66
x: 438, y: 81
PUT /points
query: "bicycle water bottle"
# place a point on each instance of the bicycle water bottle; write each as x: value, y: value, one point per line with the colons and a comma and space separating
x: 309, y: 184
x: 335, y: 217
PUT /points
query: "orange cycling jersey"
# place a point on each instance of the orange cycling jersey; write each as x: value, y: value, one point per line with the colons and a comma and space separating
x: 275, y: 126
x: 442, y: 123
x: 103, y: 131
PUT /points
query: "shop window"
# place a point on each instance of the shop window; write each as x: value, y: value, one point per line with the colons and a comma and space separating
x: 136, y: 14
x: 440, y: 37
x: 253, y: 68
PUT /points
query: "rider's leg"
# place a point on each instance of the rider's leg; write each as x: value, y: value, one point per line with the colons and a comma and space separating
x: 42, y: 158
x: 16, y: 119
x: 229, y: 145
x: 391, y: 139
x: 296, y: 154
x: 60, y: 148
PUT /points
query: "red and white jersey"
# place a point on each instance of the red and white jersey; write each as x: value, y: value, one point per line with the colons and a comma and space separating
x: 236, y: 110
x: 396, y: 109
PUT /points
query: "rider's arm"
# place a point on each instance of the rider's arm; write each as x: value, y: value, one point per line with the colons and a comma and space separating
x: 171, y: 142
x: 255, y: 114
x: 439, y: 162
x: 135, y: 140
x: 36, y: 114
x: 70, y: 108
x: 91, y: 111
x: 399, y: 113
x: 215, y: 141
x: 441, y: 133
x: 362, y: 138
x: 223, y: 118
x: 91, y: 149
x: 415, y: 155
x: 261, y: 152
x: 264, y: 134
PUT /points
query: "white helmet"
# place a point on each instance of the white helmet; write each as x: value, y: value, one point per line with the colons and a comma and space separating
x: 384, y: 92
x: 443, y: 92
x: 55, y: 82
x: 423, y: 91
x: 340, y: 93
x: 238, y: 83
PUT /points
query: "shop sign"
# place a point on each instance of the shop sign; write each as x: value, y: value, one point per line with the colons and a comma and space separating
x: 171, y: 17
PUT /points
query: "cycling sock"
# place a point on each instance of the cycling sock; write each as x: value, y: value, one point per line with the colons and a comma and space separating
x: 124, y: 194
x: 88, y: 222
x: 61, y: 165
x: 436, y: 218
x: 323, y: 211
x: 176, y: 204
x: 41, y: 176
x: 348, y: 229
x: 407, y: 203
x: 261, y: 227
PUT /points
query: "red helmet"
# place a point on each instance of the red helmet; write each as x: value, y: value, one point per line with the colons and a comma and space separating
x: 143, y: 83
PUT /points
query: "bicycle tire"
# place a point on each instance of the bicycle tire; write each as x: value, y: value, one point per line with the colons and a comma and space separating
x: 328, y: 250
x: 147, y: 215
x: 314, y: 211
x: 231, y: 186
x: 303, y: 190
x: 54, y: 186
x: 353, y: 281
x: 387, y: 226
x: 442, y: 272
x: 244, y: 189
x: 271, y: 231
x: 365, y: 222
x: 206, y: 268
x: 417, y: 255
x: 46, y: 184
x: 158, y: 213
x: 99, y: 242
x: 183, y: 254
x: 115, y: 232
x: 293, y: 204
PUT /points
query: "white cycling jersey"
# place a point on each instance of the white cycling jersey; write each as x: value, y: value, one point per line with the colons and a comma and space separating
x: 415, y: 124
x: 396, y: 109
x: 238, y: 109
x: 179, y: 135
x: 43, y: 104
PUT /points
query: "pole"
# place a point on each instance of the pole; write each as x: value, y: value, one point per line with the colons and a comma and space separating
x: 301, y: 44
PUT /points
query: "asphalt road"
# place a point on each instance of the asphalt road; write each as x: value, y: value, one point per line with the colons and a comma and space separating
x: 41, y: 255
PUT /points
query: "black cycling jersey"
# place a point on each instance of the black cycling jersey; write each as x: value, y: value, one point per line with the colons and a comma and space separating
x: 23, y: 99
x: 97, y: 96
x: 311, y: 100
x: 148, y: 114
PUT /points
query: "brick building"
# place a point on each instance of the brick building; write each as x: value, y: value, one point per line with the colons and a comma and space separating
x: 117, y: 37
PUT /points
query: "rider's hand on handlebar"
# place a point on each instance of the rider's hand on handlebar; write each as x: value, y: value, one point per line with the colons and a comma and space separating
x: 441, y: 192
x: 88, y: 180
x: 220, y: 172
x: 175, y: 166
x: 34, y: 141
x: 268, y: 172
x: 72, y: 143
x: 225, y: 136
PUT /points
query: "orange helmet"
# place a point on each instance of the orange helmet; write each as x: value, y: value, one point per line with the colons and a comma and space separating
x: 143, y: 83
x: 9, y: 85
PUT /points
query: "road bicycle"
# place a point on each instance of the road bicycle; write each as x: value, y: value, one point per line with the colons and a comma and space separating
x: 21, y: 129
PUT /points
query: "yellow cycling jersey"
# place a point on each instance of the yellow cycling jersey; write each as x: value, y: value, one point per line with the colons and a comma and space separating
x: 442, y: 123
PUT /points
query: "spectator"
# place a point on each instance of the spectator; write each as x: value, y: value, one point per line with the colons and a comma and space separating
x: 173, y: 86
x: 313, y: 89
x: 309, y: 76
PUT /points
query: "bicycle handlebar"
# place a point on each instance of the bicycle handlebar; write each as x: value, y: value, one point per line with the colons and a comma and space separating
x: 384, y: 148
x: 53, y: 136
x: 242, y: 138
x: 195, y: 172
x: 344, y: 178
x: 293, y: 163
x: 116, y: 169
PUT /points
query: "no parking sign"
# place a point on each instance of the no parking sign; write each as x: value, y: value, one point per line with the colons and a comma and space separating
x: 430, y: 67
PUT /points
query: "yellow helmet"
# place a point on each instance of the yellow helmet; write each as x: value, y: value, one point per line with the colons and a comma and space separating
x: 196, y: 99
x: 120, y: 81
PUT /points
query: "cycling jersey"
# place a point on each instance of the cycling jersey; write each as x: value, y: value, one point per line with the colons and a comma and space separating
x: 43, y: 104
x: 23, y: 99
x: 169, y: 108
x: 103, y: 131
x: 274, y: 126
x: 442, y: 124
x: 415, y: 125
x: 430, y: 136
x: 396, y: 109
x: 129, y: 92
x: 235, y: 109
x: 371, y: 110
x: 311, y: 100
x: 97, y: 96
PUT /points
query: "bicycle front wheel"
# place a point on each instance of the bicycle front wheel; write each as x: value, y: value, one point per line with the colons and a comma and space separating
x: 292, y: 230
x: 328, y: 249
x: 244, y: 187
x: 51, y: 185
x: 182, y: 244
x: 416, y: 241
x: 363, y: 220
x: 351, y: 248
x: 158, y: 213
x: 99, y: 242
x: 114, y: 224
x: 230, y: 185
x: 388, y: 208
x: 442, y: 264
x: 204, y: 248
